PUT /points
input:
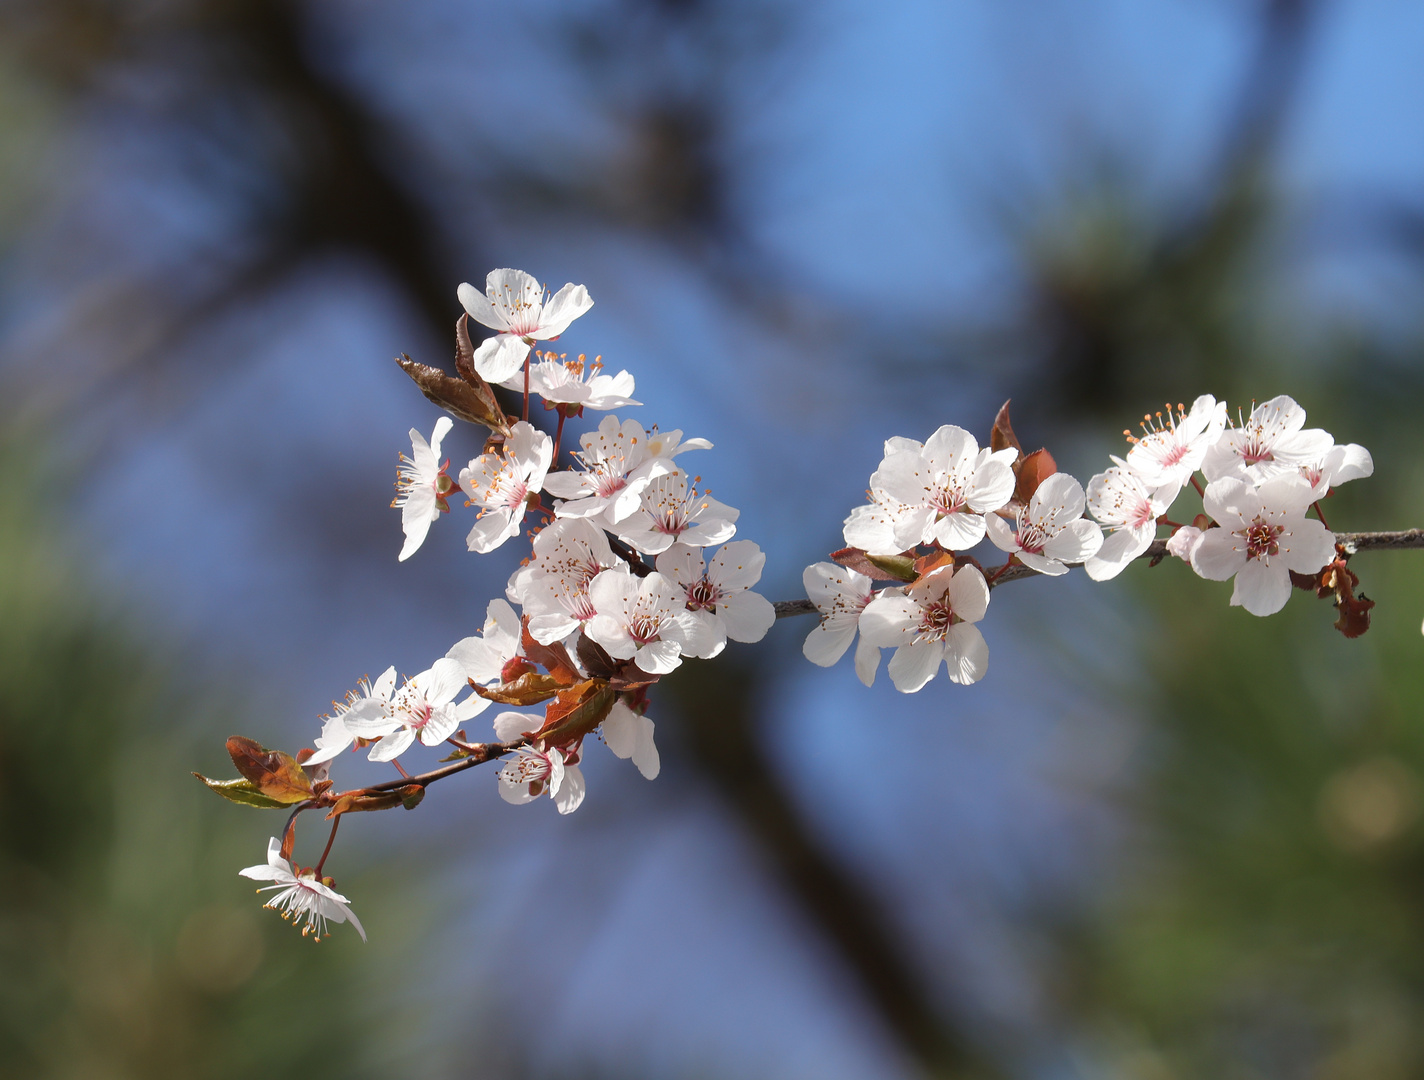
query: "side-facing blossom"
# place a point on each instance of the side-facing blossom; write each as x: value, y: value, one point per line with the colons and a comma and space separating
x: 719, y: 592
x: 840, y: 595
x: 301, y: 896
x: 1270, y: 442
x: 931, y: 622
x: 944, y: 489
x: 671, y: 510
x: 1129, y: 507
x: 535, y: 770
x: 369, y: 701
x: 424, y: 707
x: 616, y: 468
x: 482, y: 658
x: 501, y: 482
x: 579, y: 383
x: 1263, y: 534
x: 514, y: 303
x: 553, y: 589
x: 1051, y: 528
x: 629, y: 734
x: 874, y: 526
x: 1338, y: 465
x: 1171, y: 451
x: 645, y: 620
x: 422, y: 486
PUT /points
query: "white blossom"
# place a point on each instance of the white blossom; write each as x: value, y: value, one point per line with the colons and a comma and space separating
x: 1171, y: 454
x: 553, y: 589
x: 617, y: 466
x: 840, y: 595
x: 719, y: 593
x: 930, y: 622
x: 1120, y: 499
x: 1183, y: 542
x: 1338, y: 465
x: 514, y: 304
x: 369, y: 701
x: 943, y: 489
x: 645, y: 620
x: 424, y: 707
x: 873, y: 526
x: 301, y: 896
x: 629, y: 734
x: 577, y: 383
x: 671, y: 510
x: 483, y: 658
x: 422, y: 486
x: 532, y: 772
x: 1051, y: 528
x: 1270, y: 442
x: 1263, y: 534
x: 500, y: 483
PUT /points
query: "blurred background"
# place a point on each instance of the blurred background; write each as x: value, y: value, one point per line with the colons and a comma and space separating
x: 1163, y: 839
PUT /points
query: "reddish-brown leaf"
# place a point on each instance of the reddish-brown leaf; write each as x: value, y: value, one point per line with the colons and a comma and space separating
x: 529, y: 689
x: 456, y: 396
x: 876, y: 567
x: 273, y: 773
x: 576, y: 712
x: 594, y: 658
x: 1033, y: 470
x: 928, y: 564
x: 1002, y: 436
x: 358, y: 802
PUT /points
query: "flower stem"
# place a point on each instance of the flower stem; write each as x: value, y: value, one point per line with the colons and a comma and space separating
x: 335, y: 823
x: 558, y: 439
x: 1013, y: 561
x: 526, y: 384
x: 1320, y: 514
x: 1197, y: 484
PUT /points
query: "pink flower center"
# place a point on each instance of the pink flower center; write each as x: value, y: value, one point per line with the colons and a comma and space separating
x: 644, y: 627
x: 703, y: 595
x: 936, y: 619
x: 1262, y: 539
x: 1031, y: 537
x: 1255, y: 451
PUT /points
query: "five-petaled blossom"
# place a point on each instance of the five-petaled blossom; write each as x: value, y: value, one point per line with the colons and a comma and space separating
x: 1051, y: 528
x: 534, y: 770
x: 577, y: 384
x: 932, y: 621
x: 1263, y: 534
x: 422, y: 487
x: 514, y: 304
x: 1129, y: 507
x: 840, y: 595
x: 670, y: 511
x: 553, y: 589
x: 1170, y: 452
x: 369, y: 701
x: 943, y: 490
x: 617, y: 466
x: 424, y: 707
x: 1269, y: 443
x: 645, y: 620
x: 719, y: 593
x: 301, y: 895
x: 501, y: 484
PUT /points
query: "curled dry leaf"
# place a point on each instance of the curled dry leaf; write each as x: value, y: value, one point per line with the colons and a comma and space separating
x: 456, y: 396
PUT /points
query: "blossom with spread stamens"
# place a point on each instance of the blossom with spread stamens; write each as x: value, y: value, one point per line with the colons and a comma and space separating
x: 501, y: 482
x: 645, y: 620
x: 302, y: 896
x: 1270, y: 442
x: 943, y: 489
x: 532, y: 772
x: 514, y: 303
x: 1051, y: 528
x: 1170, y: 452
x: 1129, y: 507
x: 553, y: 589
x: 617, y: 466
x: 424, y: 707
x: 671, y: 510
x: 840, y: 595
x: 930, y: 622
x: 422, y: 487
x: 1262, y: 535
x: 369, y: 701
x: 719, y: 593
x: 579, y: 384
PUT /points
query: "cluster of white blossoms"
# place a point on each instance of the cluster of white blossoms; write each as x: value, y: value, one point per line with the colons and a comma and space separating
x: 632, y: 568
x: 929, y: 503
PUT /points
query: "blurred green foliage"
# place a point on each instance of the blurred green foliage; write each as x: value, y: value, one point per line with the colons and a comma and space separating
x: 129, y: 946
